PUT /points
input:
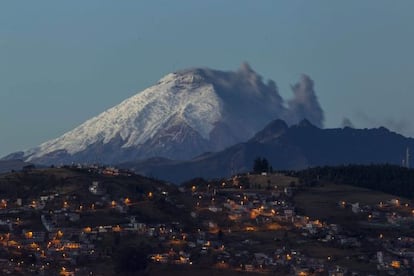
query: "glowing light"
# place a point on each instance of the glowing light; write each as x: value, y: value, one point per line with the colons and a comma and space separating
x: 253, y: 214
x: 3, y: 203
x: 396, y: 264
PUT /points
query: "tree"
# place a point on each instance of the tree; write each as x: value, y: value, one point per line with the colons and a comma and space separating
x: 260, y: 165
x: 132, y: 260
x: 220, y: 235
x: 265, y: 165
x: 257, y: 166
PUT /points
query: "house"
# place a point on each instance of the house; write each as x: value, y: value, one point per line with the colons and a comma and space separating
x: 96, y: 188
x: 289, y: 213
x: 338, y: 271
x: 355, y: 208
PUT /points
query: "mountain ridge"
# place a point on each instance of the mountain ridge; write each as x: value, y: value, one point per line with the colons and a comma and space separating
x: 296, y: 147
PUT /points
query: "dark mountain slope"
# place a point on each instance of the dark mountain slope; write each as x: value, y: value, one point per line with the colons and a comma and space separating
x: 297, y: 147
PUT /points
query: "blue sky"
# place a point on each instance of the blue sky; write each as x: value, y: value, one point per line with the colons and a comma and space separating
x: 62, y: 62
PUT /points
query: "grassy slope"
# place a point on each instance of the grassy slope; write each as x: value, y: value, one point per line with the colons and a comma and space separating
x: 322, y: 201
x: 273, y: 179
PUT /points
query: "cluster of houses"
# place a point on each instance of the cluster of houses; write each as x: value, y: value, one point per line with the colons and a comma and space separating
x: 44, y: 236
x: 48, y: 236
x: 396, y: 252
x: 253, y: 210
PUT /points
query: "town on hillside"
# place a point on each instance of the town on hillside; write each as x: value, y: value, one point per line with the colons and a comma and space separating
x: 92, y: 220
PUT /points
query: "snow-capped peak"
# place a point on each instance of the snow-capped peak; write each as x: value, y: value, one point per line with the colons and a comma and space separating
x: 183, y: 115
x: 138, y: 118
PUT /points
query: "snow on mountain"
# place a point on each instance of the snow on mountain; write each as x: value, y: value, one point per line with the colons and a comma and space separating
x: 185, y: 114
x: 138, y: 118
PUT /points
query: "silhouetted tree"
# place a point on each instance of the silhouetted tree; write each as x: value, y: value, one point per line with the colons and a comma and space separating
x: 132, y: 260
x: 386, y: 178
x: 220, y: 235
x: 260, y: 165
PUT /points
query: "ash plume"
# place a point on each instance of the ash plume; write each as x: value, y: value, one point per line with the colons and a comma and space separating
x: 305, y: 104
x: 346, y: 122
x: 402, y: 126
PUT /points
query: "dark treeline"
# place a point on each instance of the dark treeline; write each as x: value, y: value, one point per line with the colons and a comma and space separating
x: 260, y: 165
x: 390, y: 179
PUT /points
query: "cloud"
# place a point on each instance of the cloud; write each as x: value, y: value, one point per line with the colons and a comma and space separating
x: 305, y: 104
x: 346, y: 122
x: 402, y: 126
x: 245, y: 81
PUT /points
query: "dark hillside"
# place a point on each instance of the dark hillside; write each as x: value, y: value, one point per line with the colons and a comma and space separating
x: 287, y: 148
x: 390, y: 179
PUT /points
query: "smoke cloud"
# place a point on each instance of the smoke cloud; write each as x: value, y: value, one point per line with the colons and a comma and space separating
x: 398, y: 125
x: 246, y: 84
x: 305, y: 104
x: 346, y: 122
